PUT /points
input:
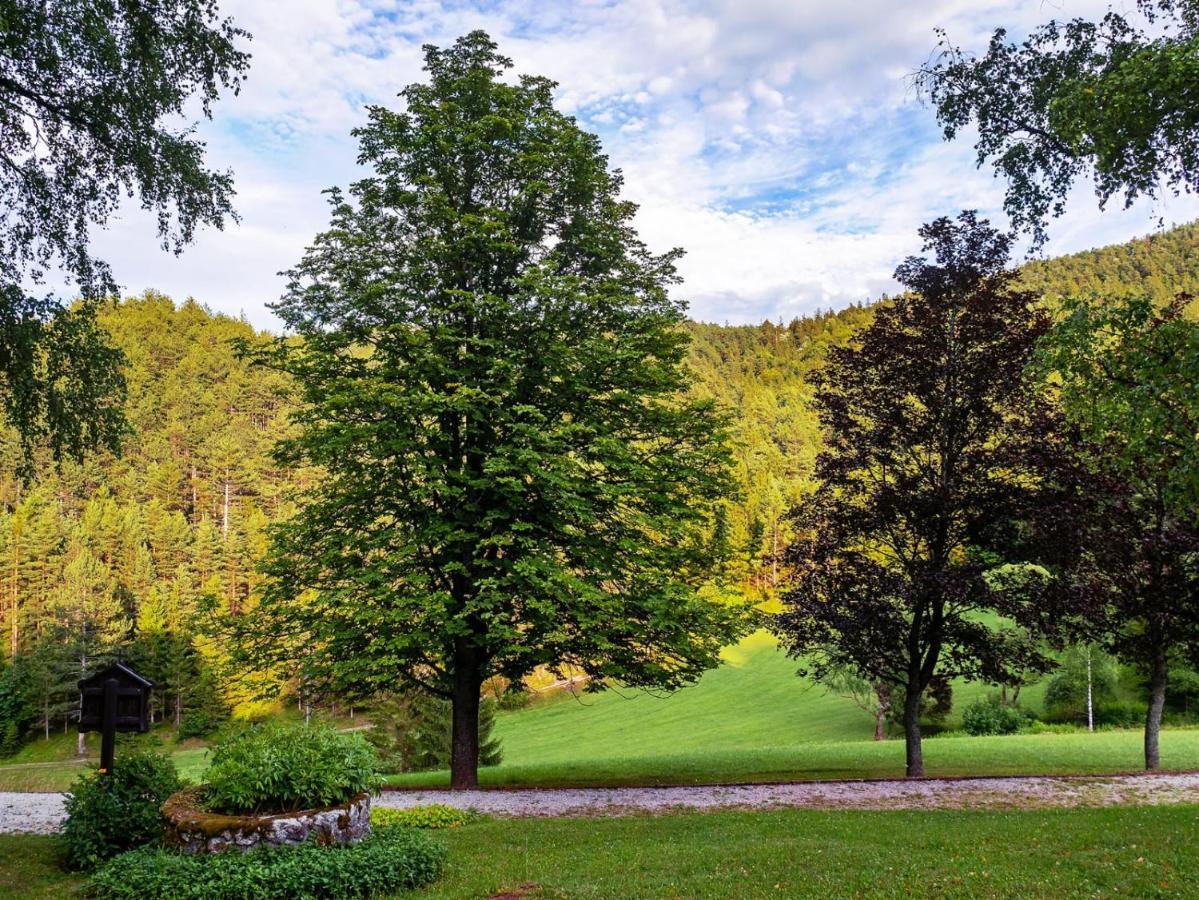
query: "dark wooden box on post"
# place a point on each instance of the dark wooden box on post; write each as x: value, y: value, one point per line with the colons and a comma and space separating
x: 114, y: 699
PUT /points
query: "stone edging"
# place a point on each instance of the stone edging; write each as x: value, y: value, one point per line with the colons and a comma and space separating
x: 194, y: 830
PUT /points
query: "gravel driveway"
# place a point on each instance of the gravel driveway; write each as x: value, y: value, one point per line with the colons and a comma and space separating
x: 972, y: 793
x: 42, y: 813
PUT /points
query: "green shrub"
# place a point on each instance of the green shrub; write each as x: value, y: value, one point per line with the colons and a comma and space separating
x: 516, y: 696
x: 412, y: 732
x: 434, y: 815
x: 992, y: 716
x: 108, y: 814
x: 1120, y: 714
x: 392, y: 860
x: 276, y: 768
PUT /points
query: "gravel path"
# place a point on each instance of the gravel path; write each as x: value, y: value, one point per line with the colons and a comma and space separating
x: 30, y: 813
x: 43, y: 813
x: 974, y: 793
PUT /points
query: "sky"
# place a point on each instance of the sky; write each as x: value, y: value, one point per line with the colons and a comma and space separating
x: 778, y: 142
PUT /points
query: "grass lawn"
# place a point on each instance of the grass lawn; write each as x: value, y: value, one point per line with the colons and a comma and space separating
x: 1139, y: 851
x: 804, y: 853
x: 1041, y: 754
x: 29, y: 868
x: 57, y: 775
x: 753, y: 700
x: 754, y: 720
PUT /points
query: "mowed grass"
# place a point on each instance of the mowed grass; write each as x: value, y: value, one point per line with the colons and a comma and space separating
x: 1129, y: 851
x: 58, y: 775
x: 1040, y: 754
x: 805, y: 853
x: 754, y: 720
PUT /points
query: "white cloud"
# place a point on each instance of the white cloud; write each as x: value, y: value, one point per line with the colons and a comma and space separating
x: 775, y: 140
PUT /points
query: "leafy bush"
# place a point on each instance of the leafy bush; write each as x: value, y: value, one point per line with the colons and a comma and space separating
x: 1066, y: 694
x: 516, y: 696
x: 277, y: 768
x: 108, y: 814
x: 992, y: 716
x: 386, y: 862
x: 435, y: 815
x: 412, y: 733
x: 1120, y: 714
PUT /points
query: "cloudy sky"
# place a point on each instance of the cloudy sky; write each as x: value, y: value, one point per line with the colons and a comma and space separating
x: 777, y: 141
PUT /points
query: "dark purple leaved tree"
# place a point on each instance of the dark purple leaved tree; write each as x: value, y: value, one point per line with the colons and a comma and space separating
x: 928, y: 481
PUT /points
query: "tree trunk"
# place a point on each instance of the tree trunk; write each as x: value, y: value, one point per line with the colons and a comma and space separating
x: 1153, y: 718
x: 178, y: 710
x: 1090, y: 695
x: 880, y: 719
x: 911, y: 731
x: 464, y: 740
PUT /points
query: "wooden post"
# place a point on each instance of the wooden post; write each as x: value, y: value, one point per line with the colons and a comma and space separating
x: 108, y: 733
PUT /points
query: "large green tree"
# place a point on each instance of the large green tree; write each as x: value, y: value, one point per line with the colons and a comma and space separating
x: 493, y: 378
x: 91, y: 94
x: 1114, y: 100
x: 1126, y: 373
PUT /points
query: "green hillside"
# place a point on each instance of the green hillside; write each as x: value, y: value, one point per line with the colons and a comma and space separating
x: 177, y: 523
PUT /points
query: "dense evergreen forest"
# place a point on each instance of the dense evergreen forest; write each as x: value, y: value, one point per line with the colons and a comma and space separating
x: 132, y: 553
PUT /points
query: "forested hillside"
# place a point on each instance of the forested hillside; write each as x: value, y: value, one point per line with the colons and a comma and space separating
x: 130, y: 553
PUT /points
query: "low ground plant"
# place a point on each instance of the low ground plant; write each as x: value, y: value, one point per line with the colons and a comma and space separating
x: 435, y: 815
x: 278, y: 768
x: 391, y: 860
x: 109, y: 814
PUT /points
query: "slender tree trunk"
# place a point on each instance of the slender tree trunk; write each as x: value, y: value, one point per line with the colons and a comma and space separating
x: 225, y: 511
x: 911, y: 731
x: 1090, y: 695
x: 1153, y: 718
x: 464, y: 740
x: 880, y: 719
x: 178, y: 710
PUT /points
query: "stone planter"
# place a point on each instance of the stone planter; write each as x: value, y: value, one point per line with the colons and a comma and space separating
x: 193, y: 830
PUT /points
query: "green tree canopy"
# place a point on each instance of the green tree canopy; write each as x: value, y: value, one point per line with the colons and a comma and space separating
x: 89, y: 94
x: 1126, y: 373
x: 1115, y: 100
x: 493, y: 378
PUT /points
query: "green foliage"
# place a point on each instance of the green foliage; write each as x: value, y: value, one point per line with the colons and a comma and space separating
x: 990, y: 715
x: 515, y: 696
x: 109, y: 814
x: 435, y: 815
x: 275, y: 768
x: 1111, y: 100
x: 412, y: 733
x: 73, y: 154
x: 500, y: 370
x: 1066, y: 694
x: 90, y: 93
x: 388, y: 861
x: 206, y: 709
x: 16, y: 711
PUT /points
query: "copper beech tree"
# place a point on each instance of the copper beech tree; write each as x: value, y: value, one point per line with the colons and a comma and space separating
x: 932, y: 464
